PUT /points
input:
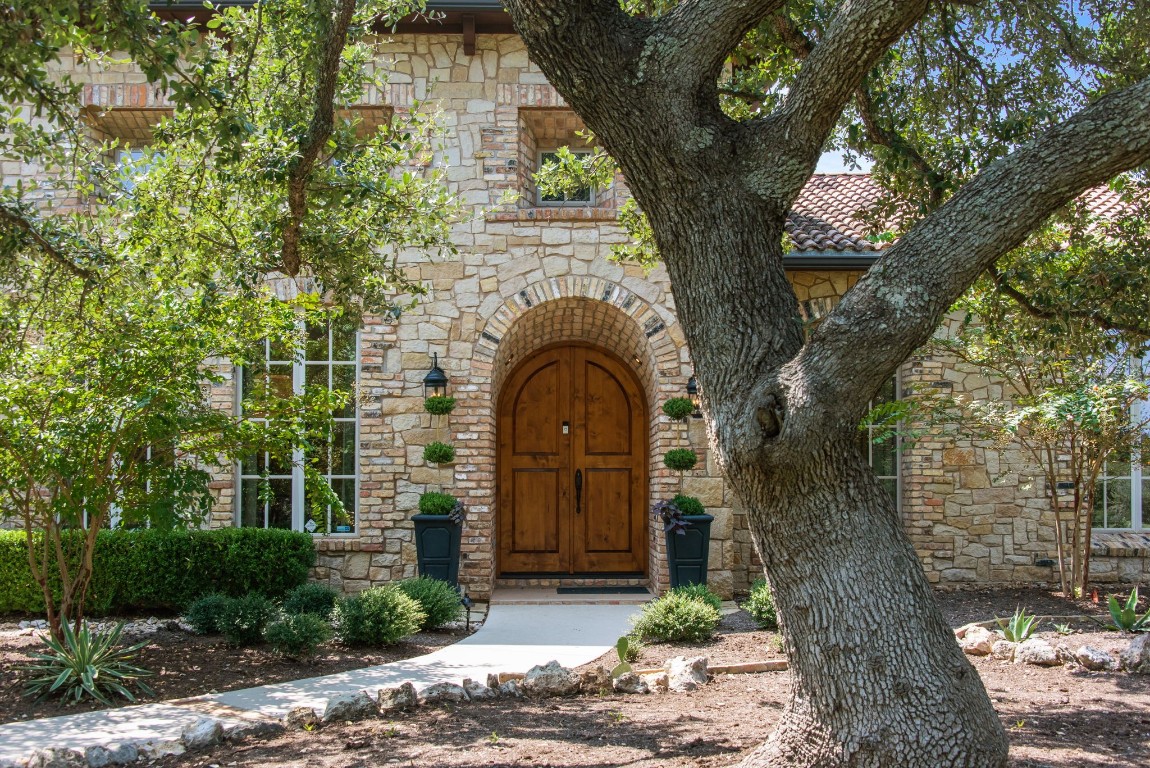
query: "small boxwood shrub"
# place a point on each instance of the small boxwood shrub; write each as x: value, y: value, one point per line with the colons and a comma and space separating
x: 680, y: 459
x: 377, y: 616
x: 204, y: 614
x: 439, y: 405
x: 318, y: 599
x: 676, y: 618
x: 243, y: 619
x: 761, y: 605
x: 297, y: 635
x: 435, y: 503
x: 151, y: 569
x: 700, y: 592
x: 678, y: 408
x: 437, y: 598
x: 438, y: 453
x: 689, y: 505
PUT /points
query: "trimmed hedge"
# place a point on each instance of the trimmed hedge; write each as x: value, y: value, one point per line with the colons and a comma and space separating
x: 148, y: 569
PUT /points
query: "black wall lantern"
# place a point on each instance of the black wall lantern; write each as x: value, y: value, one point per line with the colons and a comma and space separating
x: 693, y: 393
x: 435, y: 382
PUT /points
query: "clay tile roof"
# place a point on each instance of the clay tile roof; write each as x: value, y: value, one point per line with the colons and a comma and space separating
x: 824, y: 215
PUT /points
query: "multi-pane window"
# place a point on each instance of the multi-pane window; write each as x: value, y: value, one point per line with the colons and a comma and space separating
x: 272, y: 492
x: 1122, y: 492
x: 581, y: 196
x: 883, y: 456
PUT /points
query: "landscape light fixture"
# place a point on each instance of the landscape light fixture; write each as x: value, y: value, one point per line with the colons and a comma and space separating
x: 435, y: 382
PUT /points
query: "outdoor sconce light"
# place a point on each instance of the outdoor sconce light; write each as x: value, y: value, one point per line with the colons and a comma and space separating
x: 693, y: 394
x: 435, y: 382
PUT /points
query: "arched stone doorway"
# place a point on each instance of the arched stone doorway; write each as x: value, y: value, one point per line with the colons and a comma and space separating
x: 572, y: 466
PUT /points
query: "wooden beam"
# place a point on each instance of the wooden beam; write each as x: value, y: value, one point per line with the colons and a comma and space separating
x: 468, y: 34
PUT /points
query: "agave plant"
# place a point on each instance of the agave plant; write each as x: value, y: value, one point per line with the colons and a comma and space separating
x: 1019, y: 627
x: 86, y: 663
x: 1126, y: 618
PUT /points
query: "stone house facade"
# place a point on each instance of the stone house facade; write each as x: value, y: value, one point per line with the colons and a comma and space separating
x: 533, y: 295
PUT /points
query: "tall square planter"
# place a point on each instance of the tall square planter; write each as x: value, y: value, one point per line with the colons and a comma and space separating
x: 687, y: 552
x: 437, y: 541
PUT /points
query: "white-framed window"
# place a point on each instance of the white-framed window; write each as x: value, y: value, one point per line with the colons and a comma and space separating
x: 581, y: 196
x: 329, y: 359
x: 130, y: 165
x: 1122, y: 491
x: 883, y: 457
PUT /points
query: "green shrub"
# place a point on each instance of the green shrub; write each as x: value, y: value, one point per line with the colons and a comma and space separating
x: 678, y: 408
x: 438, y: 453
x: 700, y: 592
x: 151, y: 569
x: 204, y: 614
x: 243, y: 619
x: 314, y: 598
x: 435, y: 503
x: 680, y: 459
x: 439, y: 405
x: 676, y: 617
x: 437, y: 598
x: 86, y: 663
x: 377, y: 616
x: 297, y: 635
x: 689, y: 505
x: 761, y: 605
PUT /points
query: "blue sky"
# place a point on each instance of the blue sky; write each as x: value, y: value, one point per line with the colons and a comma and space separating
x: 832, y: 162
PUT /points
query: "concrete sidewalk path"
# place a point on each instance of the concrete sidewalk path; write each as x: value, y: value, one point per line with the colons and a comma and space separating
x: 513, y: 639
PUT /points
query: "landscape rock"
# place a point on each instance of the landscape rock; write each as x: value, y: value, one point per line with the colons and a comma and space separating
x: 1003, y: 650
x: 551, y: 679
x: 237, y: 730
x: 349, y: 708
x: 442, y: 693
x: 1038, y: 652
x: 511, y: 688
x: 55, y: 758
x: 477, y: 691
x: 493, y: 681
x: 203, y: 733
x: 656, y: 681
x: 976, y: 640
x: 595, y: 680
x: 97, y: 757
x: 397, y: 698
x: 1094, y: 659
x: 154, y: 750
x: 301, y: 719
x: 1135, y: 657
x: 686, y: 674
x: 629, y: 682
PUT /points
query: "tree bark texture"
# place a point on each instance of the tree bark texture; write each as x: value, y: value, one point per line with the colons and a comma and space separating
x: 879, y: 678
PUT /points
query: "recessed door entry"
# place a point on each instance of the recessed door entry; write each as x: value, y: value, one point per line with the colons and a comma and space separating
x: 572, y: 466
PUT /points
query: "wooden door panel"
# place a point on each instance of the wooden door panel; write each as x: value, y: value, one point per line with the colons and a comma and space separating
x: 540, y: 527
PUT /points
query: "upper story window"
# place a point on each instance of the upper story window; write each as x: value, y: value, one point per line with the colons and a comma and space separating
x: 271, y: 493
x: 581, y: 196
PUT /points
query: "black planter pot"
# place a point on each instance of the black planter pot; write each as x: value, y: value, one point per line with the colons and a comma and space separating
x: 687, y: 552
x: 437, y: 547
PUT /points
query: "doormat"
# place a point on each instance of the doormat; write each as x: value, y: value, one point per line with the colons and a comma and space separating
x: 602, y: 591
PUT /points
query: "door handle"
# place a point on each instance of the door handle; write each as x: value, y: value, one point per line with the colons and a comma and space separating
x: 578, y: 490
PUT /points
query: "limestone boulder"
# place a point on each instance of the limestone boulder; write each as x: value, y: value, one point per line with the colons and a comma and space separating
x: 349, y: 708
x: 301, y: 719
x: 203, y: 733
x: 1003, y: 650
x: 1135, y: 657
x: 1094, y: 659
x: 511, y: 688
x: 629, y: 682
x: 686, y: 673
x: 657, y: 682
x: 442, y: 693
x: 550, y: 679
x: 56, y: 758
x: 595, y: 680
x: 1038, y: 652
x: 477, y: 691
x: 976, y: 640
x: 397, y: 698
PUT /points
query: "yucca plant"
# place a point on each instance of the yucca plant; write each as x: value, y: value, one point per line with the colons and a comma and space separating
x: 1126, y: 618
x: 1019, y: 627
x: 86, y: 663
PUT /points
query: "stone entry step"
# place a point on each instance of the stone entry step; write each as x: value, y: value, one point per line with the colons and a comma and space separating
x: 537, y: 595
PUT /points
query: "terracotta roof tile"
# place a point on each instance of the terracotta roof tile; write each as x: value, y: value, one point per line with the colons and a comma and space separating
x: 825, y: 215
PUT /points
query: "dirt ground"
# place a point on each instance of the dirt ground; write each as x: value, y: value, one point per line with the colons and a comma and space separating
x: 1056, y: 717
x: 189, y: 665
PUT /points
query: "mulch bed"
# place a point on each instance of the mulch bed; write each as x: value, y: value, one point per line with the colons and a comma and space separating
x: 190, y: 665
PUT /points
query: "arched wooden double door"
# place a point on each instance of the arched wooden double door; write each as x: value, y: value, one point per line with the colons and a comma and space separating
x: 572, y: 466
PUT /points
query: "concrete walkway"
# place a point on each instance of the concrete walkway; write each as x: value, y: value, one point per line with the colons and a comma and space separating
x: 514, y: 638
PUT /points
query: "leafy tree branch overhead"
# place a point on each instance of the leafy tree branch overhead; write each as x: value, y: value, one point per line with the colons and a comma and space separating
x: 983, y: 119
